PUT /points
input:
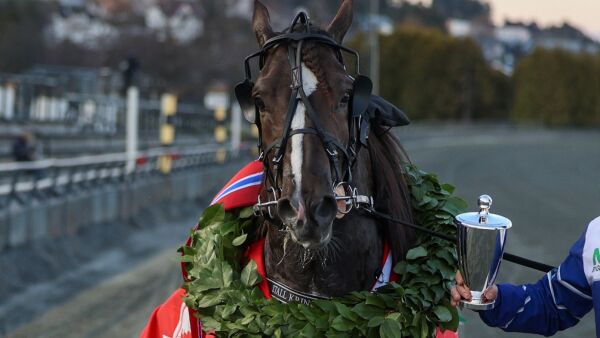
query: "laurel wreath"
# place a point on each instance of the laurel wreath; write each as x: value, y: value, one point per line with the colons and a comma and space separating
x: 228, y: 301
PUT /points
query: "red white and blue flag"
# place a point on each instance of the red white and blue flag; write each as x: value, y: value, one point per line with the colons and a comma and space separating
x: 242, y: 189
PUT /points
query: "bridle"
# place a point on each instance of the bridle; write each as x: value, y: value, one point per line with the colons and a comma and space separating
x: 341, y: 157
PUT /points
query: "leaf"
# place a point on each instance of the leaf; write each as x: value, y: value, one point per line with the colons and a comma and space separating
x: 250, y: 276
x: 324, y: 305
x: 448, y: 188
x: 390, y: 328
x: 211, y: 215
x: 210, y: 324
x: 415, y: 253
x: 455, y: 205
x: 345, y: 312
x: 209, y: 300
x: 227, y: 274
x: 375, y: 321
x: 271, y: 310
x: 376, y: 301
x: 367, y: 311
x: 342, y: 324
x: 246, y: 212
x: 308, y: 331
x: 239, y: 240
x: 228, y: 310
x: 442, y: 313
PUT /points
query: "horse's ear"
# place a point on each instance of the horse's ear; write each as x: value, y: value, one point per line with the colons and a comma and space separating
x: 261, y: 23
x: 342, y: 21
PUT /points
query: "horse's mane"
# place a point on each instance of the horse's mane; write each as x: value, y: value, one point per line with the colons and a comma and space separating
x: 391, y: 192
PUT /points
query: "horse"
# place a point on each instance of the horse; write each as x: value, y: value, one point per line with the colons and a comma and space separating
x: 320, y: 156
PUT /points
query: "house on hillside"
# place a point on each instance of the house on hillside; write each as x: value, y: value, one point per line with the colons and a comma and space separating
x: 181, y: 20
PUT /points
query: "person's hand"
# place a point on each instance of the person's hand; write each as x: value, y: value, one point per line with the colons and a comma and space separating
x: 460, y: 291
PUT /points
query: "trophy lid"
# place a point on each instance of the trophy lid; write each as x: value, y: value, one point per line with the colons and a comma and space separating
x: 484, y: 219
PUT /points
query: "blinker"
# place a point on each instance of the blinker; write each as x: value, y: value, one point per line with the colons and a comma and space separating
x: 243, y: 93
x: 361, y: 95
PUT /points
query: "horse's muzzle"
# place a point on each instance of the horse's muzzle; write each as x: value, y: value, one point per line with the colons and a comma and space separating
x: 311, y: 228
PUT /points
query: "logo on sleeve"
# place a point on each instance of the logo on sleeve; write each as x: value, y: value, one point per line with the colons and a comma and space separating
x: 596, y: 259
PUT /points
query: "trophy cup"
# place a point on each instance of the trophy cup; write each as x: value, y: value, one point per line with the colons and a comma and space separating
x: 481, y: 240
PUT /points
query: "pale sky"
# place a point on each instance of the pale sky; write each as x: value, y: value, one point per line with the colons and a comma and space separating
x: 584, y: 14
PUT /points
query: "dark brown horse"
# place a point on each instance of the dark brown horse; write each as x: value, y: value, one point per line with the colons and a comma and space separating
x: 310, y: 246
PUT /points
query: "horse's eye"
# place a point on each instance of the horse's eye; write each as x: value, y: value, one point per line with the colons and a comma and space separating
x: 345, y: 99
x: 260, y: 104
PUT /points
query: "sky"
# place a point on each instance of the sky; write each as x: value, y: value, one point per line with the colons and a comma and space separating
x: 584, y: 14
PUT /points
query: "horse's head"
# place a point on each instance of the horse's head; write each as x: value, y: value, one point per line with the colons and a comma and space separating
x: 302, y: 99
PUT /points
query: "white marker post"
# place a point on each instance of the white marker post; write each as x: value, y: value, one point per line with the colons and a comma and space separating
x: 9, y: 112
x: 236, y: 129
x: 133, y: 97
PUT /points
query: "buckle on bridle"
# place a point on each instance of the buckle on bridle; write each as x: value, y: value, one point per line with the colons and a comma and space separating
x: 259, y: 208
x: 354, y: 200
x: 296, y: 83
x: 277, y: 160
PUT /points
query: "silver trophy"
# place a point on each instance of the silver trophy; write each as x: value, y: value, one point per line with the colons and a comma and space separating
x: 481, y: 240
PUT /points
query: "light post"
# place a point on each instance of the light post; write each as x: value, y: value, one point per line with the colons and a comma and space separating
x: 374, y: 45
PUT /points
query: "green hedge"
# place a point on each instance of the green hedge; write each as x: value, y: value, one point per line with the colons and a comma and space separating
x: 431, y: 75
x: 557, y: 88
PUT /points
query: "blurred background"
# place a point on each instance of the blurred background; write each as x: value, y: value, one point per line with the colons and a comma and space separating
x: 118, y: 125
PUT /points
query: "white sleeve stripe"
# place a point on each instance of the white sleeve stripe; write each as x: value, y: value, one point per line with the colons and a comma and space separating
x: 527, y: 300
x: 560, y: 307
x: 572, y: 288
x: 507, y: 324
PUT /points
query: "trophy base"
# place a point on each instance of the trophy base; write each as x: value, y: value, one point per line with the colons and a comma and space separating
x: 477, y: 305
x: 476, y: 302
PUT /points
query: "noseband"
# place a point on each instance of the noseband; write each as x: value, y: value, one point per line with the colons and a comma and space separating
x: 338, y: 154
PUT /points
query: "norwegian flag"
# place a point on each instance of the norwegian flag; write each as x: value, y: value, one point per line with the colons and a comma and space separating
x: 243, y: 189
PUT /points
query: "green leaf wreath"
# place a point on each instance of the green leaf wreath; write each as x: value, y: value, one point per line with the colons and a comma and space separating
x: 228, y: 301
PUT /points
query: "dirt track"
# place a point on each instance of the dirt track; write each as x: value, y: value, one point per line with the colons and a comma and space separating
x: 117, y: 307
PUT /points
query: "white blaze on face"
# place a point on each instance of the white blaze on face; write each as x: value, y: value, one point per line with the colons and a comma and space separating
x: 309, y: 83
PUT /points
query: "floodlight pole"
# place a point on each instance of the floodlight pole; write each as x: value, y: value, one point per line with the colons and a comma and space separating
x: 374, y: 44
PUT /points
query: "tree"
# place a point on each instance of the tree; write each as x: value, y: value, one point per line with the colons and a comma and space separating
x: 557, y: 88
x: 21, y: 33
x: 434, y: 76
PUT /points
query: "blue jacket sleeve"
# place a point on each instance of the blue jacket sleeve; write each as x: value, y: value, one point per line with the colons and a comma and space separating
x: 556, y: 302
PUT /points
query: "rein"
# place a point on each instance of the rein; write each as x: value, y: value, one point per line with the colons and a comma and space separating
x: 507, y: 256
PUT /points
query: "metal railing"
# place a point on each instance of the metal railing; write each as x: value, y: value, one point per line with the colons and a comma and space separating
x: 24, y: 181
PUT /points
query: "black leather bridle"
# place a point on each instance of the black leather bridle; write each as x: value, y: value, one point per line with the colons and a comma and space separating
x: 341, y: 156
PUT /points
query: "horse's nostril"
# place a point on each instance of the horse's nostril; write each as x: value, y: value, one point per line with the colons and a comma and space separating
x: 286, y: 211
x: 324, y: 211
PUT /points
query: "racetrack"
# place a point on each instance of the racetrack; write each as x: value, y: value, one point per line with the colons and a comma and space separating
x: 545, y: 181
